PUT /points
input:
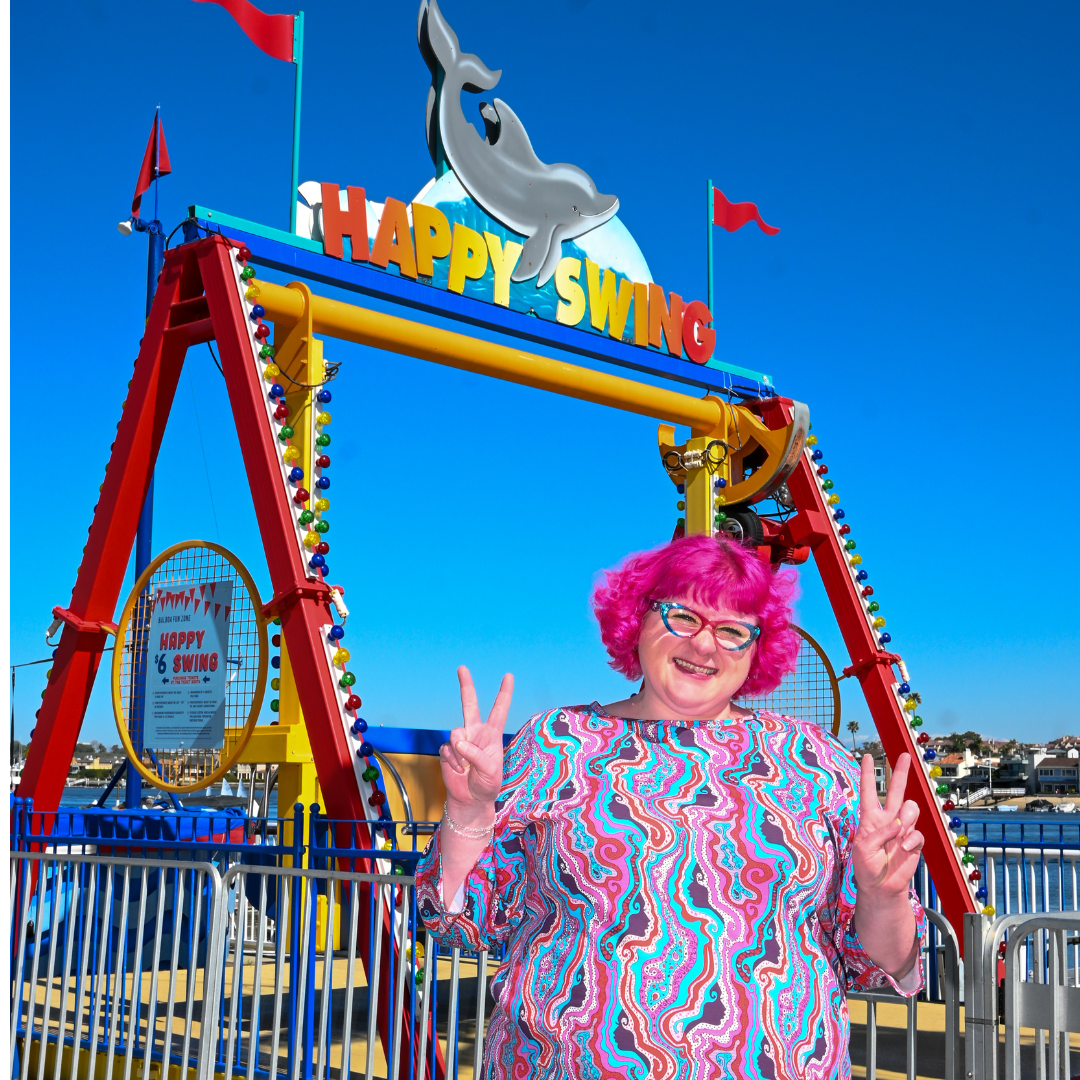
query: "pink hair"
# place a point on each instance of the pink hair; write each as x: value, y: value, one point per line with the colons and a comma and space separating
x: 715, y: 573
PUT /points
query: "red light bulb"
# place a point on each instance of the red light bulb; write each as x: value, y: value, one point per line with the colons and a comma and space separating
x: 243, y: 253
x: 923, y: 738
x: 281, y: 411
x: 845, y: 529
x: 302, y: 495
x: 323, y: 461
x: 868, y: 590
x: 354, y: 702
x: 262, y: 331
x: 322, y: 547
x: 975, y: 875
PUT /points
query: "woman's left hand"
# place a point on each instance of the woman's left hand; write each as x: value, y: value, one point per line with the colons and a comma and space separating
x: 887, y: 845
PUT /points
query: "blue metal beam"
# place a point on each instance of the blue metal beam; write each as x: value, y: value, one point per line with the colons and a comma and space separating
x: 297, y: 256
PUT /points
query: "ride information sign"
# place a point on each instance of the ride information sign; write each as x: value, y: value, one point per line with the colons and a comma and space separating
x: 186, y: 682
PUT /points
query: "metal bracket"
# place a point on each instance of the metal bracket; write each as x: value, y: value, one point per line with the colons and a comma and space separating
x: 272, y: 608
x: 84, y: 626
x: 886, y: 658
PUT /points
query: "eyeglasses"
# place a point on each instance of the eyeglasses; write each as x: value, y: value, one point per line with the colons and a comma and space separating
x: 731, y: 635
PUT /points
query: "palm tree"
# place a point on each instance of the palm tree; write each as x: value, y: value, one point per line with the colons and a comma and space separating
x: 955, y: 742
x: 853, y: 727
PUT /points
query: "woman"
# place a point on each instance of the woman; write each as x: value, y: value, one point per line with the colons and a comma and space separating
x: 674, y: 875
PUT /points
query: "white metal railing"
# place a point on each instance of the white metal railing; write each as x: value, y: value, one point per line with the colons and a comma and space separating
x: 1039, y: 954
x: 111, y: 958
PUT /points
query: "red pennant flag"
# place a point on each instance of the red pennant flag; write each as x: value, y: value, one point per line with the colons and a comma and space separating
x: 155, y: 163
x: 217, y: 608
x: 272, y: 33
x: 732, y: 216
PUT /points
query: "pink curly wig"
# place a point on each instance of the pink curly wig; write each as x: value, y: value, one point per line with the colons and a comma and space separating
x: 715, y: 573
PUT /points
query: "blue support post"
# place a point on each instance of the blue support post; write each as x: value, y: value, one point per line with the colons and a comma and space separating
x: 143, y: 539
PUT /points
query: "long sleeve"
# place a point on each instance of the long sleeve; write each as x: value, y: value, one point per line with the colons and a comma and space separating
x: 850, y: 959
x: 493, y: 893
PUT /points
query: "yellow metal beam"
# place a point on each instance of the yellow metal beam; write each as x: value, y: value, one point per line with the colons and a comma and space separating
x: 351, y: 323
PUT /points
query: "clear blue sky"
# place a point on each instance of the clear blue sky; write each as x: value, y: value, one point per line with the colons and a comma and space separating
x: 921, y: 297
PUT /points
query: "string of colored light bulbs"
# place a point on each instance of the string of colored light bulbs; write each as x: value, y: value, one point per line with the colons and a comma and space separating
x: 311, y: 525
x: 908, y: 699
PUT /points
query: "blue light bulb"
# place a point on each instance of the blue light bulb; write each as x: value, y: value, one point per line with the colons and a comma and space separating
x: 337, y: 632
x: 904, y: 688
x: 296, y: 474
x: 324, y: 396
x: 275, y: 661
x: 257, y: 312
x: 317, y: 560
x: 323, y: 482
x: 885, y: 638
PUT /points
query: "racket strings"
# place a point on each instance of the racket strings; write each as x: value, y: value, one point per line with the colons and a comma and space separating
x: 193, y: 566
x: 809, y: 692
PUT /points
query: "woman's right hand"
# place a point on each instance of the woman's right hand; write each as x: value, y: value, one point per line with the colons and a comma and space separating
x: 472, y: 761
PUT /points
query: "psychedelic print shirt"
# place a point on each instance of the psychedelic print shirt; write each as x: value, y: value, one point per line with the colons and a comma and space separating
x: 676, y: 900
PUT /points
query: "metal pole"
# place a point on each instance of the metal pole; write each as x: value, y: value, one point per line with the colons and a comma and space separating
x: 708, y: 233
x: 298, y: 60
x: 143, y: 538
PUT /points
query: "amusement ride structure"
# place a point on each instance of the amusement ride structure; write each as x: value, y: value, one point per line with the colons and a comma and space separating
x: 498, y: 240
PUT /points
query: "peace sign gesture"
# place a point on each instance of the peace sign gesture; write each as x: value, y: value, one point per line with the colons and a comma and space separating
x: 887, y: 844
x: 472, y: 761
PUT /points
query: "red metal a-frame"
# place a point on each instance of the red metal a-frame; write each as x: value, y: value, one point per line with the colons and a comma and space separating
x: 197, y: 301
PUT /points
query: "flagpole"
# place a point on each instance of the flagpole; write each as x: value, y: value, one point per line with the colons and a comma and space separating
x: 708, y: 233
x: 298, y: 60
x: 155, y: 258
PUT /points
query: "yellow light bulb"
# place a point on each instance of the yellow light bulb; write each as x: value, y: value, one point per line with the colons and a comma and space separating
x: 342, y: 656
x: 253, y: 292
x: 311, y: 539
x: 833, y: 499
x: 323, y: 418
x: 322, y: 504
x: 855, y: 560
x: 879, y: 622
x: 935, y: 772
x: 811, y: 440
x: 271, y: 371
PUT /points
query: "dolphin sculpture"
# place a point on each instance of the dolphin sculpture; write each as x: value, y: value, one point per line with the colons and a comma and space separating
x: 547, y: 204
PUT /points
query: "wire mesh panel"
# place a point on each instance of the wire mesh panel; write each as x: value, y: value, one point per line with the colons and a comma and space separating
x: 160, y: 653
x: 810, y: 692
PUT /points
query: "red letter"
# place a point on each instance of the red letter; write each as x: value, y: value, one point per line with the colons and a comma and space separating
x: 165, y: 640
x: 699, y: 343
x: 337, y: 223
x: 199, y: 635
x: 213, y: 661
x: 172, y: 640
x: 188, y: 658
x: 176, y: 662
x: 204, y: 661
x: 190, y: 638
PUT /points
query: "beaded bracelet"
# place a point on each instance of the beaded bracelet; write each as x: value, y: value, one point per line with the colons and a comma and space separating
x: 465, y: 830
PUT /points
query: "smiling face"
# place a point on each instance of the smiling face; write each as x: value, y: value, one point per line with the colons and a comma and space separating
x: 691, y: 678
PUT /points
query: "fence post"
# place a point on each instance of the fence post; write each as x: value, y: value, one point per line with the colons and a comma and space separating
x: 980, y: 1000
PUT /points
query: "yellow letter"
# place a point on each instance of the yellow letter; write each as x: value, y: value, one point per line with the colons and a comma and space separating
x: 566, y: 275
x: 603, y: 305
x: 393, y: 241
x: 468, y: 257
x: 503, y: 261
x: 432, y: 232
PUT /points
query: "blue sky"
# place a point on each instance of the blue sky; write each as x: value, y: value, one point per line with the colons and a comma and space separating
x: 921, y: 297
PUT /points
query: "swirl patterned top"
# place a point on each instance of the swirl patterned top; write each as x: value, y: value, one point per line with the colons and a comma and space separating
x: 676, y: 900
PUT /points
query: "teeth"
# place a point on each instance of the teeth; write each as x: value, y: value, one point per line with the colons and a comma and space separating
x: 697, y: 669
